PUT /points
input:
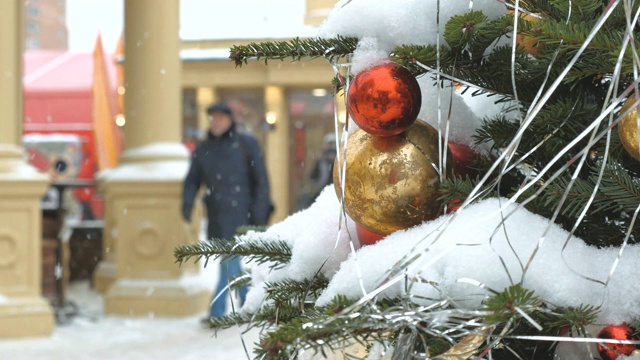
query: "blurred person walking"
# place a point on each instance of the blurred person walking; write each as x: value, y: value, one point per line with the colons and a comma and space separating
x: 322, y: 172
x: 230, y: 164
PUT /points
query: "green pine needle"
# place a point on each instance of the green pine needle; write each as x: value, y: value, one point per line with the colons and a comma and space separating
x: 260, y: 251
x: 296, y: 49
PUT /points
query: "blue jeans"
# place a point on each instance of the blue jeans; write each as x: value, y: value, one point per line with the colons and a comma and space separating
x: 229, y: 269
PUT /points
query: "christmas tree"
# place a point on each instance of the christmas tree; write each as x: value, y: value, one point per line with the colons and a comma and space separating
x: 487, y: 211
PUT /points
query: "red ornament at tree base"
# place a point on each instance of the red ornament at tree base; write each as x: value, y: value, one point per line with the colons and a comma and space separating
x: 611, y: 351
x: 384, y: 100
x: 367, y: 237
x: 453, y: 206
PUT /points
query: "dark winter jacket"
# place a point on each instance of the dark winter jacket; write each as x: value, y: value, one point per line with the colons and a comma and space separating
x: 237, y: 187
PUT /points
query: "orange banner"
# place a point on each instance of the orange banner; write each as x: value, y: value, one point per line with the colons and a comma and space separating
x: 108, y: 138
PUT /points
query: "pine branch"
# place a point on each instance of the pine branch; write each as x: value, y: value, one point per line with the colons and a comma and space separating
x: 408, y: 55
x: 557, y: 124
x: 398, y: 320
x: 242, y: 230
x: 296, y: 291
x: 240, y: 281
x: 507, y: 309
x: 502, y: 306
x: 570, y: 317
x: 231, y: 320
x: 576, y: 199
x: 295, y: 49
x: 455, y: 190
x: 268, y: 316
x: 260, y: 251
x: 488, y: 33
x: 621, y: 187
x: 545, y: 7
x: 460, y: 29
x: 618, y: 191
x: 324, y: 328
x: 499, y: 131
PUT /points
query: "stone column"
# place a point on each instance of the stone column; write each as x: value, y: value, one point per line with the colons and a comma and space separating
x: 105, y: 272
x: 23, y: 311
x: 205, y: 96
x: 277, y: 150
x: 144, y: 191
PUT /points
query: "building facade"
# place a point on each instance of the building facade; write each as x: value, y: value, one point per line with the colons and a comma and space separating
x: 45, y: 24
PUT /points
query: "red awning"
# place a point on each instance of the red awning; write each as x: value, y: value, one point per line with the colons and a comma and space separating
x: 58, y: 90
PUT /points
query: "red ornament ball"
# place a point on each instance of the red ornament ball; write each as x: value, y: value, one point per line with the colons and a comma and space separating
x: 384, y: 100
x: 610, y: 351
x: 463, y: 155
x: 453, y: 206
x: 366, y: 236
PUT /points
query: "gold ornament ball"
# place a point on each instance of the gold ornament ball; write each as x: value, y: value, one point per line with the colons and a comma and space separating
x: 392, y: 182
x: 628, y: 128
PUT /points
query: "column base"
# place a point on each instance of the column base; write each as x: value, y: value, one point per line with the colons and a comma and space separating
x: 178, y: 297
x: 104, y: 276
x: 25, y: 317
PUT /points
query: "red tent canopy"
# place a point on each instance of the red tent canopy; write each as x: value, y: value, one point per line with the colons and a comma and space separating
x: 60, y: 98
x: 58, y: 90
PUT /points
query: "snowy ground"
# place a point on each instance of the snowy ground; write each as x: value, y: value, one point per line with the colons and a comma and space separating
x: 94, y: 335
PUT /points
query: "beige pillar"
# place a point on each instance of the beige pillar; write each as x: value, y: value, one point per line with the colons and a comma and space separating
x: 23, y: 311
x: 144, y: 191
x: 105, y: 273
x: 316, y: 11
x: 277, y: 150
x: 204, y: 97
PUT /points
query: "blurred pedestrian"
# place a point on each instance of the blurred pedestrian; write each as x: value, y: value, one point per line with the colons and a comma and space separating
x: 230, y: 164
x: 322, y: 172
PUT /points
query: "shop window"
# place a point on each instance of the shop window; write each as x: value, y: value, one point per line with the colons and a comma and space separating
x: 248, y: 109
x: 311, y: 112
x: 191, y: 134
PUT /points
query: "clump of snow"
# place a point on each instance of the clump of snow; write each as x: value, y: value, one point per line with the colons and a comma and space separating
x: 485, y: 106
x: 316, y: 244
x: 367, y: 55
x: 159, y: 149
x: 462, y: 122
x: 16, y: 166
x: 153, y: 162
x: 314, y: 239
x: 457, y: 254
x: 191, y: 282
x: 473, y: 246
x: 462, y: 111
x: 53, y: 137
x: 400, y: 22
x: 147, y: 171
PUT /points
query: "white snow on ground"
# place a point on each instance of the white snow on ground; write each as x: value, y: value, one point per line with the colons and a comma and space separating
x: 94, y: 335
